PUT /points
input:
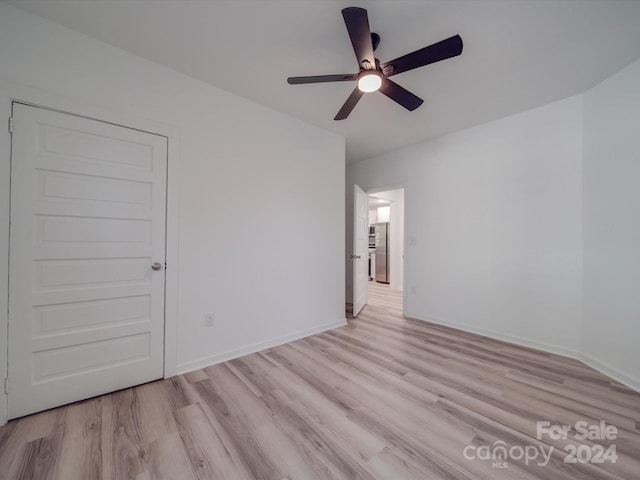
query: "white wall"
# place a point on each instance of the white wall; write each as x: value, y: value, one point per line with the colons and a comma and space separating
x: 611, y: 301
x: 493, y: 224
x: 373, y: 216
x: 383, y: 214
x: 266, y: 281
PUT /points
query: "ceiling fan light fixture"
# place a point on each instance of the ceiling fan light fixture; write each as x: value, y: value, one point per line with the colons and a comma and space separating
x: 369, y: 81
x: 374, y: 76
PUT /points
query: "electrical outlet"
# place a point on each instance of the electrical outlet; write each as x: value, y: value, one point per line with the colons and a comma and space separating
x: 209, y: 320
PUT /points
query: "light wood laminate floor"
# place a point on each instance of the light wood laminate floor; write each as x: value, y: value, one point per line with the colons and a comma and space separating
x: 382, y: 297
x: 382, y: 398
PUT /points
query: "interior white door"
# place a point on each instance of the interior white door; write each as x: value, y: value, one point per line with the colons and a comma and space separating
x: 360, y: 249
x: 86, y: 308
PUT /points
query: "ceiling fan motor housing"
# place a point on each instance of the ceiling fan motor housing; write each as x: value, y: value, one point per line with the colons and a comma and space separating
x: 375, y: 40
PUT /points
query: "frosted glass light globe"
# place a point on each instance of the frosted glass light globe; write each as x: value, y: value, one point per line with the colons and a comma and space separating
x: 369, y: 82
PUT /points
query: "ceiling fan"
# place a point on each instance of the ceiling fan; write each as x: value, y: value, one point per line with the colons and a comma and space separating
x: 373, y: 75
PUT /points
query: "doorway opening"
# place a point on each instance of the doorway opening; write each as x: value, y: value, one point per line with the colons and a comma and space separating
x: 385, y: 216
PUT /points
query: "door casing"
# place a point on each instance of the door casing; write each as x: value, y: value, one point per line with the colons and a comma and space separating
x: 360, y: 249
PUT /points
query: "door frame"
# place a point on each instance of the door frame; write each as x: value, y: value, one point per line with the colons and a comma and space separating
x: 373, y: 191
x: 354, y: 261
x: 14, y: 92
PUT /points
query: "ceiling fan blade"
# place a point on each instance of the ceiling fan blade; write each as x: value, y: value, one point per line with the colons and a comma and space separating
x: 357, y: 23
x: 448, y: 48
x: 321, y: 79
x: 349, y: 104
x: 401, y: 95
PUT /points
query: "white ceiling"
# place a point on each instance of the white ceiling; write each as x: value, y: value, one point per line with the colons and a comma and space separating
x: 518, y: 54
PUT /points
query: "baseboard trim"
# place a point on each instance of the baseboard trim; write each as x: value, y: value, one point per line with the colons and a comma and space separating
x: 592, y: 362
x: 256, y: 347
x: 631, y: 382
x: 524, y: 342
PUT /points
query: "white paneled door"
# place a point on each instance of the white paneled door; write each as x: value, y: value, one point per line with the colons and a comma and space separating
x: 360, y: 249
x: 87, y: 257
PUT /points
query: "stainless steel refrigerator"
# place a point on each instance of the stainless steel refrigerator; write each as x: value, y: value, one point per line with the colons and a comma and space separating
x: 382, y: 252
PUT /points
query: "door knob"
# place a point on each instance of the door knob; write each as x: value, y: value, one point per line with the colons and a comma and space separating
x: 156, y: 266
